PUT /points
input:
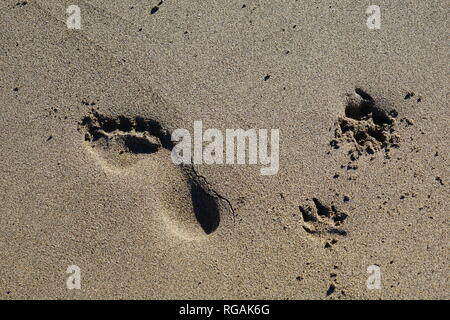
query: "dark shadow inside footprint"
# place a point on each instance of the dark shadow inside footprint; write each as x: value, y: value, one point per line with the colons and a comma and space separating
x: 321, y: 209
x: 205, y: 208
x: 359, y: 109
x: 154, y: 128
x: 136, y: 144
x: 363, y: 94
x: 365, y: 106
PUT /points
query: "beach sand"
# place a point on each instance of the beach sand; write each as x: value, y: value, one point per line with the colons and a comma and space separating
x: 363, y: 179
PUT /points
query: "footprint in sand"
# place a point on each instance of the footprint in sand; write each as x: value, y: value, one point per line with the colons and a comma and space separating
x: 368, y: 127
x: 119, y: 143
x: 323, y: 221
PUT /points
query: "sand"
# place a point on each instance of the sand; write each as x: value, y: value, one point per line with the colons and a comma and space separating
x: 353, y: 191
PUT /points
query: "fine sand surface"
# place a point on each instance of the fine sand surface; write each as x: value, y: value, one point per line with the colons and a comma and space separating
x: 86, y: 176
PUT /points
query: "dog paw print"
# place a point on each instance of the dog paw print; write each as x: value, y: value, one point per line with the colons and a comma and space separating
x: 367, y: 127
x: 323, y: 221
